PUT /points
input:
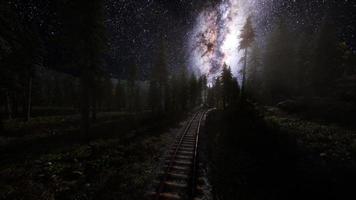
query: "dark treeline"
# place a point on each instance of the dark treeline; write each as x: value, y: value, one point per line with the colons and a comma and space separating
x: 52, y: 62
x: 310, y: 71
x: 310, y: 63
x: 36, y: 44
x: 225, y: 92
x: 268, y: 142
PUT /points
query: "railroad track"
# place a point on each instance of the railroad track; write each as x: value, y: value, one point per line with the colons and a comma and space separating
x: 179, y: 177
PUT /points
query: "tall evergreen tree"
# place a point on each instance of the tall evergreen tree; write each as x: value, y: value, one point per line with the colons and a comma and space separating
x: 247, y: 38
x: 154, y: 96
x: 22, y: 51
x: 216, y: 92
x: 183, y: 88
x: 226, y: 83
x: 304, y: 61
x: 193, y: 90
x: 175, y: 96
x: 203, y: 84
x: 159, y: 79
x: 279, y: 63
x: 85, y: 42
x: 132, y: 75
x: 253, y: 71
x: 120, y: 96
x: 327, y: 64
x: 235, y: 92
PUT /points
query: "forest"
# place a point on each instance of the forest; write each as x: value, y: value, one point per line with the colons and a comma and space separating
x: 158, y: 99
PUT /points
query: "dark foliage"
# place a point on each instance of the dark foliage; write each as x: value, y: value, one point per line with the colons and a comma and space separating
x: 250, y: 159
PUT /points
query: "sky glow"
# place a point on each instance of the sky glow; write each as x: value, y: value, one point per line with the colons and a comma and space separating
x: 215, y: 38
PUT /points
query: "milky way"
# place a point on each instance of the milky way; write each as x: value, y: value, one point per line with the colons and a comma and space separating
x: 135, y: 28
x: 204, y: 36
x: 215, y: 38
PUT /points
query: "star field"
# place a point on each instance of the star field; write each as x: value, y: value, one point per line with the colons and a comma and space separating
x: 136, y: 27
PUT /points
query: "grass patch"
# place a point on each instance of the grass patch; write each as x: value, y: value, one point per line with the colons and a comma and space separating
x: 252, y: 157
x: 115, y: 161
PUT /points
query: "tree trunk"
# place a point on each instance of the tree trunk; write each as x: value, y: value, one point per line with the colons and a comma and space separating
x: 132, y: 100
x: 84, y: 103
x: 8, y: 105
x: 2, y: 124
x: 94, y: 107
x: 244, y: 75
x: 224, y: 103
x: 29, y: 99
x: 15, y: 106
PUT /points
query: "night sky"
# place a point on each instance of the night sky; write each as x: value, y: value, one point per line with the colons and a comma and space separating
x: 137, y: 27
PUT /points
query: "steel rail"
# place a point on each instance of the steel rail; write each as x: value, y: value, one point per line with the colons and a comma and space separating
x: 165, y: 176
x: 195, y: 157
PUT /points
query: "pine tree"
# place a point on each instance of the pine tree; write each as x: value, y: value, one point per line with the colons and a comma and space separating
x: 108, y: 91
x: 235, y: 92
x: 193, y: 90
x: 279, y: 69
x: 154, y: 96
x: 183, y: 88
x: 175, y: 96
x: 132, y: 87
x: 304, y: 61
x: 217, y: 92
x: 254, y: 70
x: 203, y: 84
x: 247, y: 38
x: 327, y: 58
x: 159, y: 79
x: 83, y: 23
x: 21, y: 52
x: 120, y: 96
x: 226, y: 82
